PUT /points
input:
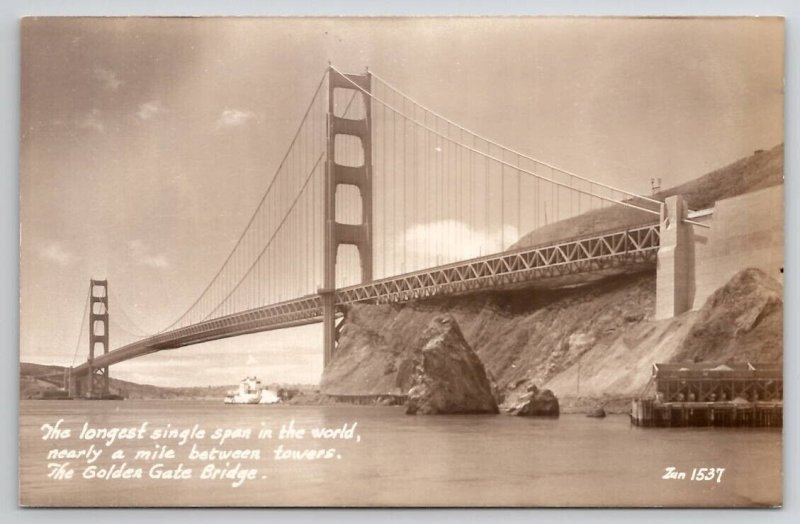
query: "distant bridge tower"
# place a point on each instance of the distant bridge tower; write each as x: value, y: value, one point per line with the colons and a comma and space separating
x: 336, y: 233
x: 98, y: 336
x: 95, y: 383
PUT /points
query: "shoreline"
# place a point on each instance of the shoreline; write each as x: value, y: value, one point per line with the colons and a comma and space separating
x: 568, y: 405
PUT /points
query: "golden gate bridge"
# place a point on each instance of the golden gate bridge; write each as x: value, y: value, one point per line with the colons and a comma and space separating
x: 379, y: 199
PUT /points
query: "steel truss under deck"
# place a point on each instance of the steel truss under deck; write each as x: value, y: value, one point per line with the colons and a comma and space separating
x: 631, y: 247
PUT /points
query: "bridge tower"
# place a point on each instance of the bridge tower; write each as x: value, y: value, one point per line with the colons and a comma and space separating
x: 674, y: 272
x: 97, y: 379
x: 336, y: 174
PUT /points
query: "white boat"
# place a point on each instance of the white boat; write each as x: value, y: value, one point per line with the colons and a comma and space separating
x: 251, y: 392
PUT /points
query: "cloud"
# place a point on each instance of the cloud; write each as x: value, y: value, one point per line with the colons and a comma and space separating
x: 142, y: 255
x: 56, y: 253
x: 251, y: 361
x: 157, y: 261
x: 445, y: 241
x: 107, y: 78
x: 92, y: 121
x: 234, y: 118
x: 150, y: 109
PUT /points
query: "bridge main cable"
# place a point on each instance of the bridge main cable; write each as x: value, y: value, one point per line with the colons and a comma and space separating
x: 509, y: 150
x: 80, y: 333
x: 269, y: 189
x: 501, y: 161
x: 269, y: 243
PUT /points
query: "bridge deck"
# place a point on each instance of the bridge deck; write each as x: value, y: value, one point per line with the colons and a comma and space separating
x: 542, y: 264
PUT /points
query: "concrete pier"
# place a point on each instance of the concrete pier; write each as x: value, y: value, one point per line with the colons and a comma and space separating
x: 674, y: 264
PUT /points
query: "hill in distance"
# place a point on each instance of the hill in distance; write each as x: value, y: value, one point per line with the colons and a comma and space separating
x: 31, y: 387
x: 760, y: 170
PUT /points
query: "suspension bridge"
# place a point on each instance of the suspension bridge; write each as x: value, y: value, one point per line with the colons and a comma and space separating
x: 380, y: 199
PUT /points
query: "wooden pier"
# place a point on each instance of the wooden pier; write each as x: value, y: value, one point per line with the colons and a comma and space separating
x: 749, y: 395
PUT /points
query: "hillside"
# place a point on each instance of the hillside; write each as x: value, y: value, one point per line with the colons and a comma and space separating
x: 519, y: 336
x: 597, y: 342
x: 758, y: 171
x: 31, y: 387
x: 741, y: 322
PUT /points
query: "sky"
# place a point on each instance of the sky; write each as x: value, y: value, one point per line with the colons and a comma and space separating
x: 146, y: 143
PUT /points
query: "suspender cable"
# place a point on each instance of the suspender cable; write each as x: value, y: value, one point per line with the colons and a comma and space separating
x: 80, y: 331
x: 502, y: 162
x: 269, y: 243
x: 566, y: 172
x: 260, y: 205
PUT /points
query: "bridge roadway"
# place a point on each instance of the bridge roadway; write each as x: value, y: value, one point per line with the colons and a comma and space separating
x: 549, y: 265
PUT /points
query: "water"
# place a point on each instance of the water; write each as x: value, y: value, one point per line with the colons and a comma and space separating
x: 413, y: 461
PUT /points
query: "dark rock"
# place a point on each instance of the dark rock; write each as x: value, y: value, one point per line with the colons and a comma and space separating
x: 597, y: 412
x: 448, y: 376
x: 517, y: 383
x: 286, y: 394
x: 635, y: 316
x: 498, y: 394
x: 536, y: 403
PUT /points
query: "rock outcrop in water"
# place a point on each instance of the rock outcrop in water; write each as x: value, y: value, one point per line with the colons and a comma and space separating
x: 448, y: 377
x: 536, y: 403
x: 597, y: 412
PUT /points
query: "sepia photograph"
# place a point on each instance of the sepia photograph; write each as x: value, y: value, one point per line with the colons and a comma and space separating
x: 401, y: 262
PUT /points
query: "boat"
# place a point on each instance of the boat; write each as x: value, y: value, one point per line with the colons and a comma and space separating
x: 250, y: 391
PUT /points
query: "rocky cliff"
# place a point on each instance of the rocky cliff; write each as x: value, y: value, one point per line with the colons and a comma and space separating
x: 523, y: 335
x: 596, y: 342
x: 742, y: 321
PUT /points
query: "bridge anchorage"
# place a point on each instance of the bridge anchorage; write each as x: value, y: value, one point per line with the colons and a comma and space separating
x: 420, y: 206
